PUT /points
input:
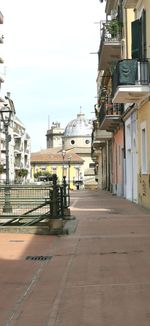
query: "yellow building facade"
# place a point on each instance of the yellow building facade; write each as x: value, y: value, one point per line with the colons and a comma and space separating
x: 52, y: 161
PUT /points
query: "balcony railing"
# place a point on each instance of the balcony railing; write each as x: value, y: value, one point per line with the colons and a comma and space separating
x: 130, y: 81
x: 110, y: 45
x: 110, y: 116
x: 110, y: 34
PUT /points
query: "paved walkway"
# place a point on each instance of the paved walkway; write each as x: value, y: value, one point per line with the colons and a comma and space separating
x: 97, y: 276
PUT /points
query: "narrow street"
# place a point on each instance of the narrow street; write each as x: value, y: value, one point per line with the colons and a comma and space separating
x: 97, y: 276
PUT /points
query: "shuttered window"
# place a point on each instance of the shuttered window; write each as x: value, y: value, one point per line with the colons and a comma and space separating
x: 139, y: 37
x: 143, y: 34
x: 136, y: 31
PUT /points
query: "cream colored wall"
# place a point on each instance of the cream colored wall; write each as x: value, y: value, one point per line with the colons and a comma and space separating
x: 144, y: 179
x: 129, y: 17
x: 144, y: 117
x: 79, y: 142
x: 87, y: 160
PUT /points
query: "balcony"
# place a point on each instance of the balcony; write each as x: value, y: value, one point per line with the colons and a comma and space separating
x: 130, y: 81
x: 129, y: 4
x: 18, y: 149
x: 1, y: 18
x: 100, y: 137
x: 110, y: 5
x: 110, y: 118
x: 110, y: 45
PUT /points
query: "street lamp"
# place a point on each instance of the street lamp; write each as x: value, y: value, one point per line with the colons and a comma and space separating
x: 6, y: 114
x: 63, y: 157
x: 69, y: 163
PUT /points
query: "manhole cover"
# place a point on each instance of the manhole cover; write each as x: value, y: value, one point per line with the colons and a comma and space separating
x: 38, y: 257
x: 114, y: 212
x: 16, y: 240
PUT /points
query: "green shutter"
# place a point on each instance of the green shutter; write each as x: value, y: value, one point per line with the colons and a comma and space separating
x: 139, y: 37
x: 136, y: 32
x: 143, y: 34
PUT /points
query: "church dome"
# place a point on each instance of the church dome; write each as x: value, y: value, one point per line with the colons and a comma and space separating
x: 78, y: 127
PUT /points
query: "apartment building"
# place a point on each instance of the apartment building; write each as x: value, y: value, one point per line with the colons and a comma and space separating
x: 1, y: 57
x: 19, y: 148
x: 123, y: 106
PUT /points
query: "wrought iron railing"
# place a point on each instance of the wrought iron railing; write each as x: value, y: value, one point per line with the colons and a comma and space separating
x: 108, y: 109
x: 107, y: 33
x: 130, y: 72
x: 30, y: 204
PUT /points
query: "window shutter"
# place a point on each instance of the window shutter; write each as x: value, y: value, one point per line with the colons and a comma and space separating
x: 139, y: 37
x: 136, y: 39
x: 143, y: 34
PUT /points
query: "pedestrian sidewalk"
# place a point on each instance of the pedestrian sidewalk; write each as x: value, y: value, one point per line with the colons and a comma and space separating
x: 97, y: 276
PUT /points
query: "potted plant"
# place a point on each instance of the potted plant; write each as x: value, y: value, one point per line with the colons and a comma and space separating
x: 114, y: 27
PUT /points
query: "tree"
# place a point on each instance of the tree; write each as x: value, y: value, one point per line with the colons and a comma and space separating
x: 43, y: 176
x: 1, y: 168
x: 22, y: 173
x: 37, y: 174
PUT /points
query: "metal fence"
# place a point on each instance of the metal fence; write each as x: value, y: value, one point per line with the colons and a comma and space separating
x: 29, y: 204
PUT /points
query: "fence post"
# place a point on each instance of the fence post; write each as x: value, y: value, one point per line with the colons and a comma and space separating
x: 65, y: 192
x: 65, y: 196
x: 61, y: 201
x: 54, y: 198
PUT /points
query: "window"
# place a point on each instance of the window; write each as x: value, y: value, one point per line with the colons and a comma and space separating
x: 92, y: 165
x: 139, y: 37
x: 143, y: 149
x: 43, y: 168
x: 72, y: 141
x: 87, y: 141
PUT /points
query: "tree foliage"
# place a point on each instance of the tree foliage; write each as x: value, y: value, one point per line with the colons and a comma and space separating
x: 45, y: 175
x: 1, y: 168
x: 21, y: 173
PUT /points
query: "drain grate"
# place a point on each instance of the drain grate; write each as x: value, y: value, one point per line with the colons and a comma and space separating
x: 38, y: 257
x: 16, y: 240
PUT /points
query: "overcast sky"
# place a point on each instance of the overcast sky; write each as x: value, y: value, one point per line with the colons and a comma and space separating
x: 49, y: 70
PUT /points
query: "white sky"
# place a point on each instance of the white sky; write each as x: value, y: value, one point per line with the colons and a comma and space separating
x: 50, y: 72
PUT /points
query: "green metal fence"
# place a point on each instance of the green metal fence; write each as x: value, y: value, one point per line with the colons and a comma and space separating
x: 30, y: 204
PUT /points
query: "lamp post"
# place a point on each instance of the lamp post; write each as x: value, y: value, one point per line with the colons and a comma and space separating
x: 63, y: 157
x: 69, y: 163
x: 6, y: 114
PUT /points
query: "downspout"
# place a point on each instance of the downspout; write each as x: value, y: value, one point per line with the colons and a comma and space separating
x: 124, y: 157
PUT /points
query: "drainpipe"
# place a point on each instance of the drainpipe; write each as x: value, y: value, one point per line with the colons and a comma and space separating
x: 124, y: 156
